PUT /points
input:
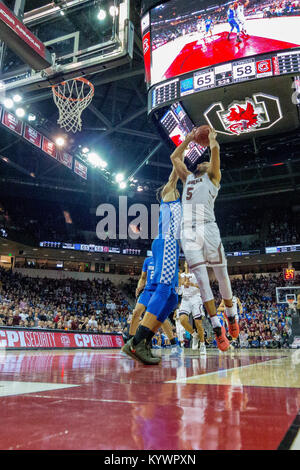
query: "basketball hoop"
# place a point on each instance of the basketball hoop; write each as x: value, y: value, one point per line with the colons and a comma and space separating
x: 71, y: 98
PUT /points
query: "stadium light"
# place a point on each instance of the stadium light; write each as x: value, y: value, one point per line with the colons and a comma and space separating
x: 101, y: 15
x: 119, y: 177
x: 123, y: 185
x: 85, y: 150
x: 17, y: 98
x: 94, y: 159
x: 103, y: 164
x: 8, y: 103
x: 60, y: 141
x: 113, y: 11
x: 20, y: 112
x: 31, y: 117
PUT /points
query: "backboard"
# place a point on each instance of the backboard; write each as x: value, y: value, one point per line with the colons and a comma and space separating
x: 82, y: 36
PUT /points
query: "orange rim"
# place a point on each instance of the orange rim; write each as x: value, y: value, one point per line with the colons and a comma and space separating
x: 80, y: 79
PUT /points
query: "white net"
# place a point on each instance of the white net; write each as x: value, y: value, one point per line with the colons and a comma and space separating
x: 71, y: 98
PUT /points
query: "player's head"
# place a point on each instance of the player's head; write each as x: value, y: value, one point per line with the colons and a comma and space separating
x: 160, y: 191
x: 202, y: 168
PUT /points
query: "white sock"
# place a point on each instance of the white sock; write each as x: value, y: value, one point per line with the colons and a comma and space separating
x: 229, y: 311
x: 215, y: 321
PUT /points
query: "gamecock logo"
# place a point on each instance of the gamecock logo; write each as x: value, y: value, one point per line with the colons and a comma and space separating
x: 242, y: 118
x: 119, y: 341
x: 146, y: 45
x: 261, y: 112
x: 65, y: 340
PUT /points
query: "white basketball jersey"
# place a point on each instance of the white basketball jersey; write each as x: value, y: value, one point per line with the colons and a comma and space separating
x: 240, y: 14
x: 189, y: 291
x: 198, y: 200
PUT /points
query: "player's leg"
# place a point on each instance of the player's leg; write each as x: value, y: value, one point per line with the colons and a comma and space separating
x: 136, y: 316
x: 201, y: 274
x: 195, y: 256
x: 222, y: 277
x: 198, y: 315
x: 166, y: 255
x: 184, y: 313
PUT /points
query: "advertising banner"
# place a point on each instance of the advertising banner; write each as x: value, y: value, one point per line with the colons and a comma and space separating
x: 23, y: 338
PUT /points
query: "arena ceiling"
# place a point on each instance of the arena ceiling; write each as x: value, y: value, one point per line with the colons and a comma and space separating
x: 117, y: 125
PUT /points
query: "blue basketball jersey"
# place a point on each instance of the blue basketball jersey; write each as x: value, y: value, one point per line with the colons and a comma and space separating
x: 148, y: 267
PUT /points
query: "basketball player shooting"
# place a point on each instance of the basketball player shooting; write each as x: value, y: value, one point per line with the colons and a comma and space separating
x: 200, y: 235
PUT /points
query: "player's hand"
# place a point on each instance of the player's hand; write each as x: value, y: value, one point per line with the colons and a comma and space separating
x: 137, y: 292
x: 191, y: 136
x: 212, y: 135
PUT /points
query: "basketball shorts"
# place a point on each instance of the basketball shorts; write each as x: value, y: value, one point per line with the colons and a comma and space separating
x: 234, y: 24
x: 145, y: 297
x: 203, y: 245
x: 242, y: 23
x: 192, y: 306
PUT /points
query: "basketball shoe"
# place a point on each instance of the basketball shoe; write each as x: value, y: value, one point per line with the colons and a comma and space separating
x: 141, y: 352
x: 233, y: 326
x: 222, y: 342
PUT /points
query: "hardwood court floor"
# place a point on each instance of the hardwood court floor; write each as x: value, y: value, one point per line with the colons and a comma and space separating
x: 86, y: 400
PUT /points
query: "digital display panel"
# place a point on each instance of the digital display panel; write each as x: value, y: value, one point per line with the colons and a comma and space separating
x: 177, y: 125
x: 193, y: 35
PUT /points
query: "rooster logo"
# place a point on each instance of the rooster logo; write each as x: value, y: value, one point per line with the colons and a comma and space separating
x: 239, y: 118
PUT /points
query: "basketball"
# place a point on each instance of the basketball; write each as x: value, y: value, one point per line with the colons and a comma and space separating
x: 201, y: 136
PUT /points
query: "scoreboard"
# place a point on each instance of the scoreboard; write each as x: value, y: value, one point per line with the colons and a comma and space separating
x: 222, y: 75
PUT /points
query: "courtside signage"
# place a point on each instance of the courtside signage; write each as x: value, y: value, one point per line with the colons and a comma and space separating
x: 42, y: 339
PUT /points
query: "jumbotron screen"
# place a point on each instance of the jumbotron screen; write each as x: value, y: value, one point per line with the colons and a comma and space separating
x: 195, y: 34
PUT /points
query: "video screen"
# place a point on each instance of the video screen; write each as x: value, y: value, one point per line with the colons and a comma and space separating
x: 177, y: 125
x: 194, y: 34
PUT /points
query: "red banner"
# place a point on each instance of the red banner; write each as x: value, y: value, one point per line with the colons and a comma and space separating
x: 21, y: 30
x: 12, y: 338
x: 147, y: 56
x: 49, y: 148
x: 33, y: 136
x: 12, y: 122
x: 65, y: 159
x: 80, y: 169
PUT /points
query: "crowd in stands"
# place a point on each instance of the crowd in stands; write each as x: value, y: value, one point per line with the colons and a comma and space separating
x: 99, y: 306
x: 68, y: 304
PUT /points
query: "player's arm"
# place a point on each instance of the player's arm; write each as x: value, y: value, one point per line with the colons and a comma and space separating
x: 141, y: 283
x: 177, y: 157
x: 214, y: 172
x: 171, y: 184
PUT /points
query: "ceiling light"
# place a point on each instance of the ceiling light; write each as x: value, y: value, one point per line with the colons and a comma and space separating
x: 31, y: 117
x: 103, y: 164
x: 60, y: 141
x: 123, y: 185
x: 8, y: 103
x: 119, y: 177
x: 17, y: 98
x: 20, y: 112
x: 113, y: 11
x: 101, y: 15
x: 85, y: 150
